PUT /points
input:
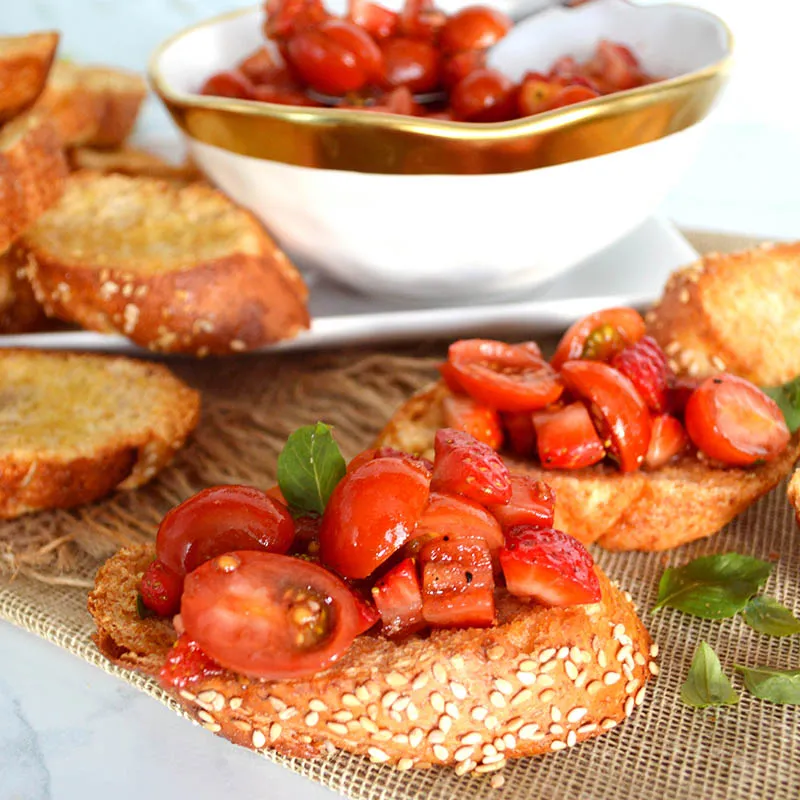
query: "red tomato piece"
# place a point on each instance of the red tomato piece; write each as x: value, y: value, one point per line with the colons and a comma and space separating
x: 285, y: 97
x: 377, y: 21
x: 398, y: 598
x: 645, y: 363
x: 549, y: 566
x: 423, y: 464
x: 450, y: 377
x: 288, y: 17
x: 229, y: 84
x: 269, y: 616
x: 413, y: 63
x: 456, y: 67
x: 161, y: 589
x: 186, y: 663
x: 463, y: 465
x: 733, y: 421
x: 615, y: 67
x: 520, y: 435
x: 679, y: 390
x: 367, y: 615
x: 504, y: 376
x: 618, y: 409
x: 667, y: 441
x: 627, y: 322
x: 484, y: 95
x: 566, y: 438
x: 421, y: 20
x: 532, y: 503
x: 259, y: 67
x: 473, y: 28
x: 457, y: 584
x: 372, y: 513
x: 535, y: 96
x: 564, y: 68
x: 221, y: 519
x: 570, y: 95
x: 464, y: 414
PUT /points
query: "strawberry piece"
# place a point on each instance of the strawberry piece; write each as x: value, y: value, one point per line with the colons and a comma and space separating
x: 645, y: 364
x: 368, y: 615
x: 566, y: 438
x: 187, y: 663
x: 482, y: 422
x: 549, y: 566
x: 532, y: 503
x: 463, y: 465
x: 398, y: 600
x: 161, y: 589
x: 520, y: 433
x: 667, y: 440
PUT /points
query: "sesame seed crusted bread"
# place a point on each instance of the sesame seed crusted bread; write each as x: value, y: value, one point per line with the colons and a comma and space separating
x: 131, y: 161
x: 25, y: 62
x: 686, y: 500
x: 74, y: 428
x: 177, y: 269
x: 540, y: 680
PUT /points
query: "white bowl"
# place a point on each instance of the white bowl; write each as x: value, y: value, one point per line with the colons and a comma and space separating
x: 355, y: 219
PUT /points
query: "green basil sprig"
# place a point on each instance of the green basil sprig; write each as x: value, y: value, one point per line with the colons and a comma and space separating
x: 766, y: 615
x: 774, y: 685
x: 788, y: 399
x: 706, y: 684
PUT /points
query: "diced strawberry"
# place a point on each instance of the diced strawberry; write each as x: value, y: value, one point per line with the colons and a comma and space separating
x: 678, y: 393
x: 398, y: 600
x: 465, y: 414
x: 520, y: 433
x: 463, y: 465
x: 549, y: 566
x: 187, y: 663
x: 532, y: 503
x: 368, y: 614
x: 667, y: 440
x: 566, y: 438
x: 457, y: 584
x: 645, y: 364
x: 161, y: 589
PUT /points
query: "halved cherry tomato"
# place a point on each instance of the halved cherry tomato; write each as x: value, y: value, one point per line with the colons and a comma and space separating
x: 473, y: 28
x: 259, y: 67
x: 520, y: 433
x: 229, y: 84
x: 564, y: 68
x: 186, y: 663
x: 420, y: 463
x: 504, y: 376
x: 733, y: 421
x: 615, y: 67
x: 465, y: 414
x: 456, y: 67
x: 161, y: 589
x: 617, y: 408
x: 484, y: 95
x: 372, y: 513
x: 414, y: 63
x: 450, y: 377
x: 268, y: 616
x: 566, y: 438
x: 376, y: 20
x: 535, y: 96
x: 626, y: 321
x: 667, y: 440
x: 421, y: 19
x: 457, y: 584
x: 570, y: 95
x: 398, y: 598
x: 221, y: 519
x: 288, y: 17
x: 335, y: 57
x: 532, y: 503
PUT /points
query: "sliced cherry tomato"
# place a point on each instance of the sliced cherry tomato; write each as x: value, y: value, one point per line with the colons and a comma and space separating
x: 335, y: 57
x: 566, y: 438
x: 463, y: 465
x: 532, y: 503
x: 626, y: 321
x: 366, y: 614
x: 564, y: 68
x: 645, y: 363
x: 549, y: 566
x: 186, y: 663
x: 413, y: 63
x: 377, y: 21
x: 465, y: 414
x: 288, y: 17
x: 450, y: 377
x: 570, y: 95
x: 221, y: 519
x: 161, y: 589
x: 259, y: 67
x: 422, y: 464
x: 615, y: 67
x: 473, y: 28
x: 484, y: 95
x: 520, y: 434
x: 617, y: 408
x: 733, y: 421
x: 457, y: 584
x: 269, y: 616
x: 398, y: 598
x: 667, y: 441
x: 421, y: 20
x: 503, y: 376
x: 276, y: 494
x: 229, y: 84
x: 456, y: 67
x: 372, y: 513
x: 535, y: 96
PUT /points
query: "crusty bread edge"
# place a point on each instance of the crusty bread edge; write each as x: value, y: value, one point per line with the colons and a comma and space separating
x: 25, y: 74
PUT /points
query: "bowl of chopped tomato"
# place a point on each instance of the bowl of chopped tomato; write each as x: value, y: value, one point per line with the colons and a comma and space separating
x: 405, y: 150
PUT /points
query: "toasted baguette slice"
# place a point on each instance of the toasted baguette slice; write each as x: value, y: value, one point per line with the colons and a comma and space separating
x: 93, y: 106
x: 20, y: 311
x: 683, y: 501
x: 175, y: 268
x: 133, y: 162
x: 32, y: 172
x: 738, y: 313
x: 490, y: 682
x: 75, y: 427
x: 25, y: 62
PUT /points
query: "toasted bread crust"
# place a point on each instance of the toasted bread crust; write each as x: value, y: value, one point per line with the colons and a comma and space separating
x: 25, y: 62
x: 20, y: 311
x: 44, y: 409
x: 540, y: 681
x: 133, y: 162
x: 658, y: 510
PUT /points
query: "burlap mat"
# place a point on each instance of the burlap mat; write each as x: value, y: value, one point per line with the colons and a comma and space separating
x: 666, y: 750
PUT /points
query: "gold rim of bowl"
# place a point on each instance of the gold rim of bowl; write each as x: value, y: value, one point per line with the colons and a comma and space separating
x: 374, y: 142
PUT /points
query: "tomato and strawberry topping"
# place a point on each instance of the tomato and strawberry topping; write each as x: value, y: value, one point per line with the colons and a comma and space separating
x: 645, y: 364
x: 161, y: 589
x: 566, y: 438
x: 398, y: 599
x: 186, y: 663
x: 668, y: 440
x: 464, y: 414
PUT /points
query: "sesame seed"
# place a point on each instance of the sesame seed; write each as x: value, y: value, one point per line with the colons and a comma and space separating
x: 457, y: 662
x: 558, y: 745
x: 653, y: 667
x: 259, y: 740
x: 555, y: 714
x: 350, y: 700
x: 212, y: 726
x: 545, y: 680
x: 495, y: 653
x: 376, y: 755
x: 528, y: 731
x: 572, y: 738
x: 528, y: 665
x: 437, y: 701
x: 439, y: 673
x: 451, y: 709
x: 607, y: 724
x: 562, y: 653
x: 412, y: 712
x: 362, y: 694
x: 396, y: 679
x: 610, y: 678
x: 493, y: 767
x: 546, y: 655
x: 205, y: 716
x: 577, y: 714
x: 526, y: 678
x: 639, y: 658
x: 463, y: 753
x: 464, y: 767
x: 654, y: 650
x: 491, y: 722
x: 624, y: 653
x: 556, y: 729
x: 420, y: 681
x: 497, y: 699
x: 404, y: 764
x: 495, y: 759
x: 402, y: 703
x: 445, y: 723
x: 479, y: 713
x: 458, y: 690
x: 383, y: 735
x: 473, y: 737
x: 400, y: 738
x: 337, y: 727
x: 619, y: 630
x: 575, y: 654
x: 440, y: 751
x: 593, y: 688
x: 503, y: 686
x: 187, y: 695
x: 497, y: 782
x: 522, y: 696
x: 602, y: 659
x: 499, y: 744
x: 589, y: 727
x: 389, y: 698
x: 235, y: 703
x: 436, y: 736
x: 207, y: 697
x: 275, y: 731
x: 631, y: 686
x: 510, y: 741
x: 639, y: 699
x: 368, y: 725
x: 311, y: 719
x: 581, y: 679
x: 343, y: 716
x: 372, y: 711
x: 415, y: 737
x: 489, y: 750
x: 546, y: 696
x: 571, y: 670
x: 277, y: 703
x: 317, y: 705
x: 549, y: 666
x: 629, y: 704
x: 287, y: 714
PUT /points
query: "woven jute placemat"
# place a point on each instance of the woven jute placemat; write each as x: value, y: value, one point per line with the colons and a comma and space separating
x: 665, y: 750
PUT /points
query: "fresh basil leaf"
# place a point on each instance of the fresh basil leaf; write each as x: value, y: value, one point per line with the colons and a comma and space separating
x: 706, y: 684
x: 309, y: 467
x: 777, y: 686
x: 766, y: 615
x: 788, y: 399
x: 712, y: 587
x: 141, y: 609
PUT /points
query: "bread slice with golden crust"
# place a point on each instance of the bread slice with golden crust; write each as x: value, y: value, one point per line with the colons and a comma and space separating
x: 20, y: 311
x: 683, y: 501
x: 74, y: 428
x: 736, y: 313
x: 177, y: 269
x: 445, y: 699
x: 25, y: 63
x: 131, y: 161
